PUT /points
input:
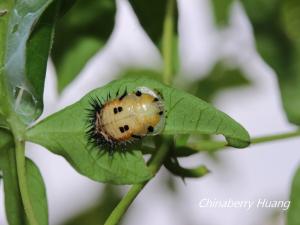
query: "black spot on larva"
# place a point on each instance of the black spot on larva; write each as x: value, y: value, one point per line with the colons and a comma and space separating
x: 115, y: 110
x: 161, y: 113
x: 121, y: 129
x: 155, y: 99
x: 120, y: 109
x: 150, y: 129
x: 136, y: 136
x: 138, y: 93
x: 126, y: 127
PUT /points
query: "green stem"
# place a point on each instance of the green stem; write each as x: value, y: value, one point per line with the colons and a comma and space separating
x: 275, y: 137
x: 155, y: 163
x: 167, y: 42
x: 17, y: 128
x: 21, y: 171
x: 218, y: 145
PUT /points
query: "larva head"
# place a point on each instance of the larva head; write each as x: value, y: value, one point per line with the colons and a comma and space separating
x: 126, y: 118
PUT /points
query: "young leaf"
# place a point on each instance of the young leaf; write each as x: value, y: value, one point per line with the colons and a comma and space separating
x: 64, y: 132
x: 23, y: 68
x: 182, y: 172
x: 293, y: 216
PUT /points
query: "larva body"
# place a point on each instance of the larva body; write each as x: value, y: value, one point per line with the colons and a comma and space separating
x: 127, y: 118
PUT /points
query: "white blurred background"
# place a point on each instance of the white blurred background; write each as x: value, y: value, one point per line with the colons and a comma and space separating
x: 261, y: 171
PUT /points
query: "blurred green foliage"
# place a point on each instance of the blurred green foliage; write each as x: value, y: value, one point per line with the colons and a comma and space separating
x: 220, y: 78
x: 97, y: 214
x: 76, y: 58
x: 276, y: 28
x: 80, y: 33
x: 151, y: 16
x: 221, y: 10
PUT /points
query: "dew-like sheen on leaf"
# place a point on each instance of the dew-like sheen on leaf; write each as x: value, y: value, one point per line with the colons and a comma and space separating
x: 30, y: 26
x: 64, y: 132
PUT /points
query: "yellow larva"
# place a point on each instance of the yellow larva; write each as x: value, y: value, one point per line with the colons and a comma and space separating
x: 126, y: 118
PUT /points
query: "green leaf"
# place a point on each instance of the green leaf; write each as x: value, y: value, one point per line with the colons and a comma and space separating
x: 177, y: 170
x: 75, y: 59
x: 151, y: 15
x: 293, y: 216
x: 23, y: 67
x: 37, y: 192
x: 64, y: 132
x: 79, y: 34
x: 13, y: 203
x: 5, y: 8
x: 69, y: 140
x: 36, y: 61
x: 221, y: 11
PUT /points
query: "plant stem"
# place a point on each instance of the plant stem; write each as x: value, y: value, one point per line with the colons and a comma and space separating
x: 154, y: 165
x: 167, y: 42
x: 17, y: 129
x: 21, y: 171
x: 218, y: 145
x: 275, y: 137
